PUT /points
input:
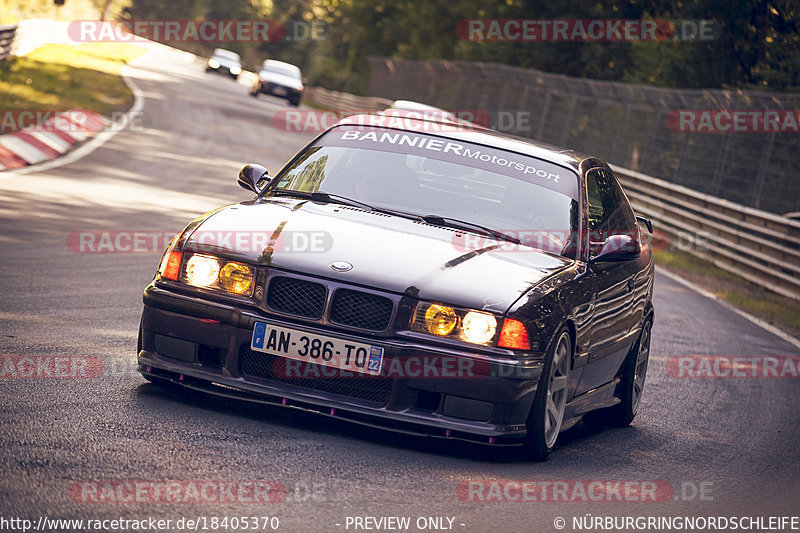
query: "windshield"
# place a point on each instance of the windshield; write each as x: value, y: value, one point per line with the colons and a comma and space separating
x: 525, y: 198
x: 283, y: 70
x: 226, y: 54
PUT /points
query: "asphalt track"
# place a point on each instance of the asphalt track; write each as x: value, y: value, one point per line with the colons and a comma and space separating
x: 726, y: 447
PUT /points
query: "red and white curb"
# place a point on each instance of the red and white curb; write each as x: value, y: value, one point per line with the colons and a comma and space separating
x: 52, y: 139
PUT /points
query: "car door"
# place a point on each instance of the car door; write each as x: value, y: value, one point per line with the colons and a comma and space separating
x: 614, y: 318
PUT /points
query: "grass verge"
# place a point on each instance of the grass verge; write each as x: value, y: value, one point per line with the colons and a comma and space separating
x: 782, y: 312
x: 59, y: 77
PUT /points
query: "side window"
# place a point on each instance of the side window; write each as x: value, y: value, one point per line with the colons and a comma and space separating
x: 596, y: 211
x: 609, y: 211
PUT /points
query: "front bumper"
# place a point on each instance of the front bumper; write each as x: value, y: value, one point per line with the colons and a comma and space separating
x: 222, y: 69
x: 205, y: 345
x: 280, y: 91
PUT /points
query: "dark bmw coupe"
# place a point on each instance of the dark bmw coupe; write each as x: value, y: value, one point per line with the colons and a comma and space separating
x: 419, y: 276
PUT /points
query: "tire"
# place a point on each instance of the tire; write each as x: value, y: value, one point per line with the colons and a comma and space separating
x: 294, y: 101
x: 633, y: 380
x: 254, y: 93
x: 549, y: 404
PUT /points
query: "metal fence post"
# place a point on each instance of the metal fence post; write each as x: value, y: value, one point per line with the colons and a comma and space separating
x: 7, y: 34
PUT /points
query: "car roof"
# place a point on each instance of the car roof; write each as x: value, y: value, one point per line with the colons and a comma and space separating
x: 281, y: 64
x: 572, y: 159
x: 226, y: 53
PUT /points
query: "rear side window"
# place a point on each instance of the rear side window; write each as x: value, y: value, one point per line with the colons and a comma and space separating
x: 609, y: 210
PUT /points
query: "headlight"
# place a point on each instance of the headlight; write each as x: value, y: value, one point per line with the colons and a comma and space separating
x: 213, y: 63
x: 463, y: 324
x: 211, y: 272
x: 235, y: 70
x: 478, y: 327
x: 236, y: 278
x: 440, y: 320
x: 202, y: 270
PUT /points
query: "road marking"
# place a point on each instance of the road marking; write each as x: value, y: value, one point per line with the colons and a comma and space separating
x: 710, y: 295
x: 28, y: 152
x: 52, y: 140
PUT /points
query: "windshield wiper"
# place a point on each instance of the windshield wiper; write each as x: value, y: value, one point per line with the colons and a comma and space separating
x: 438, y: 220
x: 344, y: 200
x: 322, y: 197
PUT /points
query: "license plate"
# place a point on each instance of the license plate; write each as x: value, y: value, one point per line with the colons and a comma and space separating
x: 280, y: 91
x: 317, y: 349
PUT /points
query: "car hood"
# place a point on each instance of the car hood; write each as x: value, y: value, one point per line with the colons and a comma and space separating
x: 386, y: 252
x: 280, y: 79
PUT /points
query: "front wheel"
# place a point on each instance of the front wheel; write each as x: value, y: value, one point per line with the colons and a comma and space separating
x: 633, y: 378
x: 549, y: 404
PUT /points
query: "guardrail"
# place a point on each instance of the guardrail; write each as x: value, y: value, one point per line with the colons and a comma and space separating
x: 337, y: 101
x: 761, y: 247
x: 758, y: 246
x: 7, y: 34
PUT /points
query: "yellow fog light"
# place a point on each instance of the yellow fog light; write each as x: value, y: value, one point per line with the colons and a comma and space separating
x: 440, y: 320
x: 202, y: 270
x: 236, y: 278
x: 478, y: 327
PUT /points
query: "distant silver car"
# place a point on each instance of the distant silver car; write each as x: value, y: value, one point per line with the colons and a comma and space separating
x: 225, y: 62
x: 280, y: 79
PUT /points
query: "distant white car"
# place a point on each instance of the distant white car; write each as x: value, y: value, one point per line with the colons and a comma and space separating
x: 225, y: 62
x: 280, y: 79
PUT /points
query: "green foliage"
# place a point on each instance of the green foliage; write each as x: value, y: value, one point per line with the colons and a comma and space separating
x: 14, y: 11
x: 758, y: 45
x: 58, y: 77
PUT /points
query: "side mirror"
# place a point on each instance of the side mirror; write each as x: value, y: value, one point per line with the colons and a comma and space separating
x: 647, y: 222
x: 253, y: 177
x: 618, y: 248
